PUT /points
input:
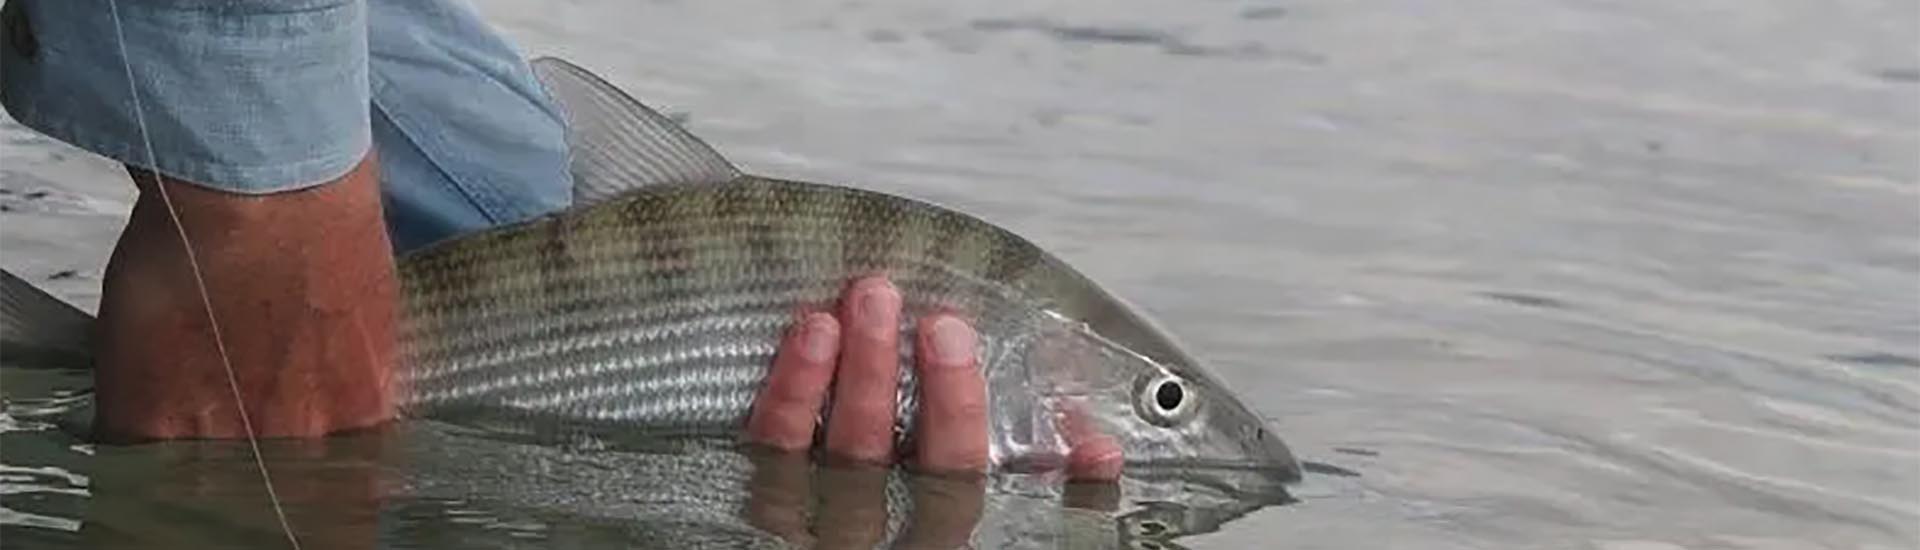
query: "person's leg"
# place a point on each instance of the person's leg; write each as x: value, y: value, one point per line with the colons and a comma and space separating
x: 253, y: 121
x: 467, y: 136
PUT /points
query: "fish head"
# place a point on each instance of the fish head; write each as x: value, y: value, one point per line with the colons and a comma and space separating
x: 1180, y: 419
x: 1179, y: 426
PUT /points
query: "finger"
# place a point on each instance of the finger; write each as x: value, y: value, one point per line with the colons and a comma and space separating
x: 953, y: 397
x: 945, y: 511
x: 860, y: 426
x: 788, y: 406
x: 853, y: 506
x: 781, y: 493
x: 1093, y: 455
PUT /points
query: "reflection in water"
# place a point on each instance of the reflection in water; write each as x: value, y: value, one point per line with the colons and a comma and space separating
x: 208, y: 494
x: 722, y: 495
x: 430, y: 485
x: 855, y: 508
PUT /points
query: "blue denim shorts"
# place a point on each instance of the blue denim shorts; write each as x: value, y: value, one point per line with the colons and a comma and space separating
x: 264, y: 97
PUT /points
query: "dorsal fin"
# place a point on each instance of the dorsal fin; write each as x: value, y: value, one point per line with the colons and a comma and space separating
x: 619, y: 144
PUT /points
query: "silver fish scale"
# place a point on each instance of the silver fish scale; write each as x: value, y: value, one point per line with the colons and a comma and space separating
x: 659, y: 311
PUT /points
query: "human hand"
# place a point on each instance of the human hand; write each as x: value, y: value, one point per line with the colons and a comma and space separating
x: 303, y: 285
x: 857, y: 352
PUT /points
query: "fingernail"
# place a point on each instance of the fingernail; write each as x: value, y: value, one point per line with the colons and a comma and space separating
x: 818, y: 338
x: 953, y: 342
x: 877, y: 306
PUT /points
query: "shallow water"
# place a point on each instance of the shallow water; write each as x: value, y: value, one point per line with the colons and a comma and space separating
x: 1542, y: 274
x: 432, y: 485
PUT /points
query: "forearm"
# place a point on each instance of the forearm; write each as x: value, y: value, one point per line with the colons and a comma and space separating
x: 302, y: 287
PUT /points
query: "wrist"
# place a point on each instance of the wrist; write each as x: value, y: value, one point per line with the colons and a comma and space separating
x: 301, y: 286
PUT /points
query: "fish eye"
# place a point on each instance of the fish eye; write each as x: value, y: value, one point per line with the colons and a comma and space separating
x: 1169, y: 395
x: 1165, y: 400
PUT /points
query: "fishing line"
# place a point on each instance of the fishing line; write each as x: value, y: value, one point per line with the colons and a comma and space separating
x: 200, y: 283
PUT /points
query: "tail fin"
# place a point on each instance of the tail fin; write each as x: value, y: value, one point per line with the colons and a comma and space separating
x: 39, y: 330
